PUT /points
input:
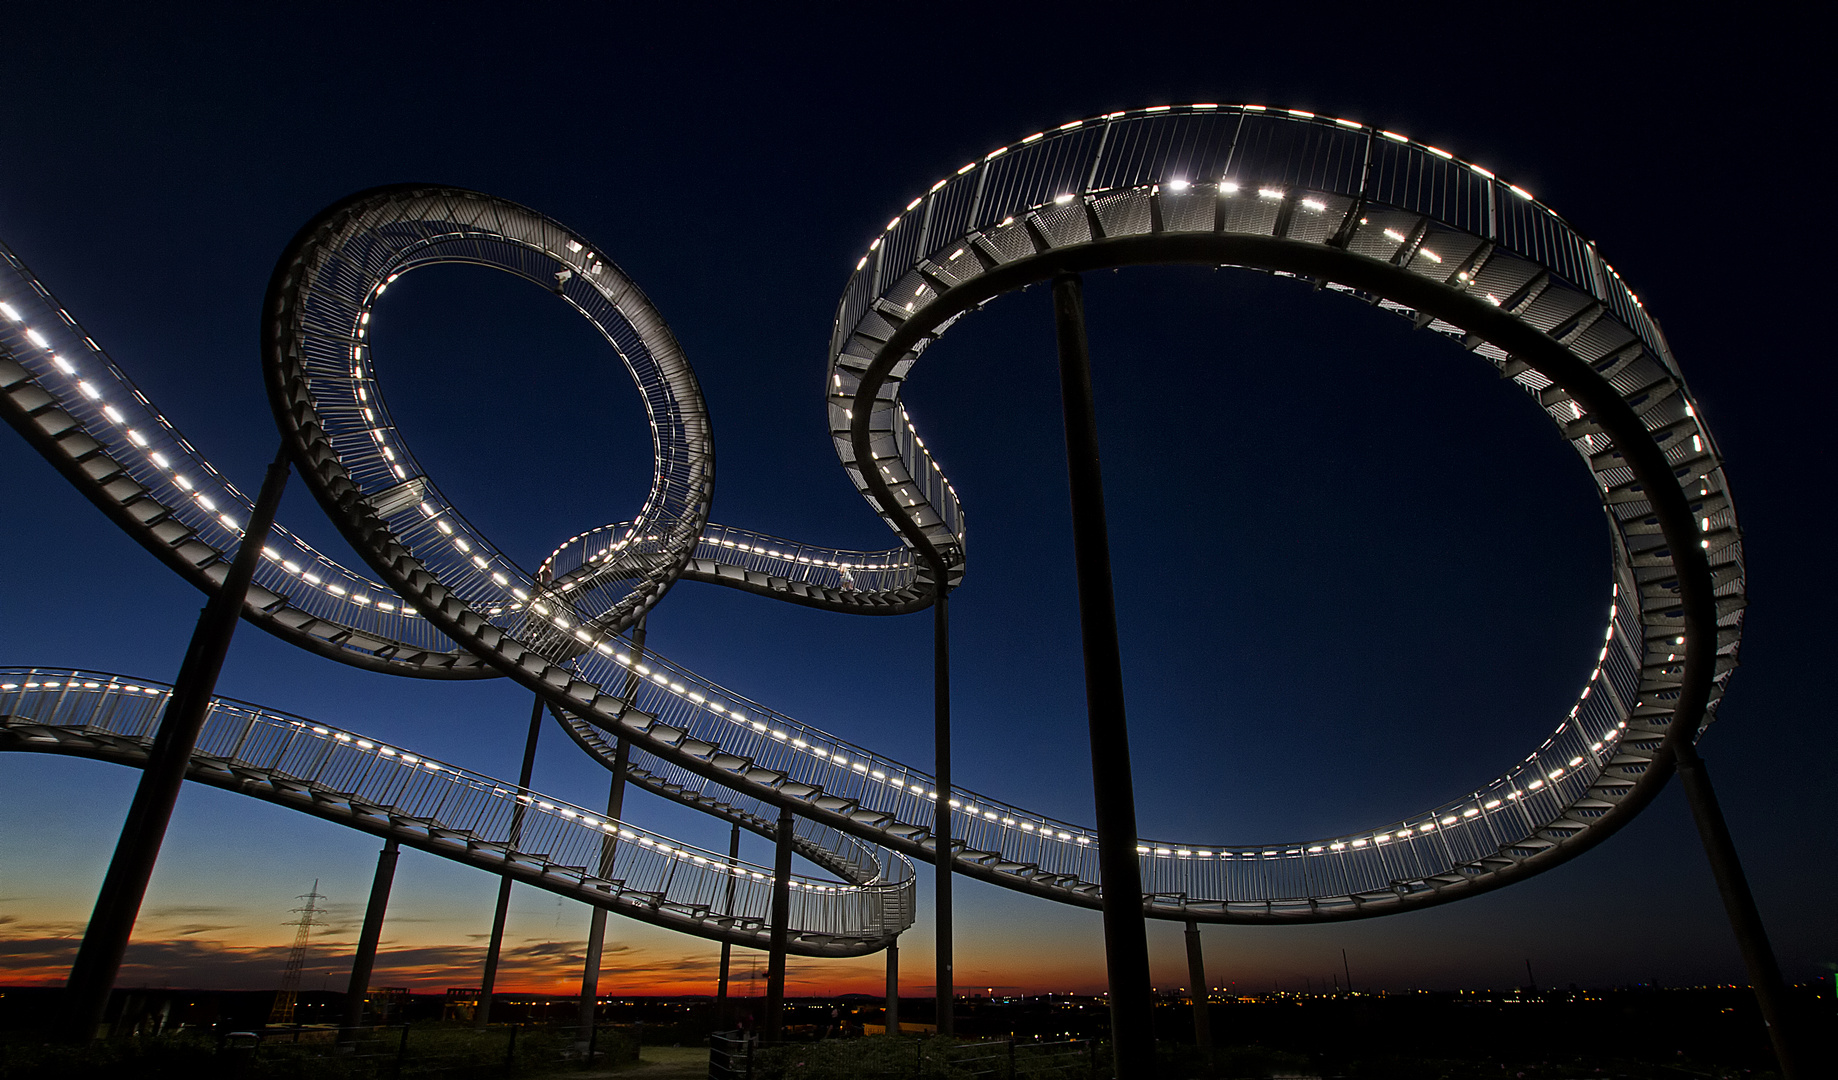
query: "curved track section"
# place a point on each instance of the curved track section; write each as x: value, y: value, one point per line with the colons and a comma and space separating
x: 458, y: 815
x: 891, y: 582
x: 1413, y: 229
x: 61, y: 392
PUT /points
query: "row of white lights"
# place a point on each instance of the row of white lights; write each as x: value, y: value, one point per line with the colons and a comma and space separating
x: 841, y: 400
x: 406, y: 758
x: 1048, y: 830
x: 563, y: 811
x: 86, y: 684
x: 167, y: 468
x: 1226, y: 186
x: 1202, y: 107
x: 738, y: 545
x: 1512, y: 794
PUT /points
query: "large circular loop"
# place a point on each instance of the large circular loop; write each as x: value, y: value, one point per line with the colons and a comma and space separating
x: 1442, y: 241
x: 323, y: 388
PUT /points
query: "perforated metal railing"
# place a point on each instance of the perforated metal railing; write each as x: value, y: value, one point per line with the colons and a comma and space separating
x: 849, y: 857
x: 839, y: 569
x: 1227, y: 168
x: 138, y: 459
x: 1199, y: 147
x: 468, y: 812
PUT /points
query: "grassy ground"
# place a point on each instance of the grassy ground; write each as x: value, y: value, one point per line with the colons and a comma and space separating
x: 654, y: 1063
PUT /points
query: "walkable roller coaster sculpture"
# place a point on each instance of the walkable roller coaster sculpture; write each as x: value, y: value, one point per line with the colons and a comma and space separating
x: 1367, y: 213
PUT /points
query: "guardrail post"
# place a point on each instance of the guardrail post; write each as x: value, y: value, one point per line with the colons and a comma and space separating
x: 111, y: 924
x: 504, y: 884
x: 1126, y: 942
x: 367, y: 939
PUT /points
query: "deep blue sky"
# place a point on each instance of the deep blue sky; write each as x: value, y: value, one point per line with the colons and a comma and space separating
x: 1358, y: 574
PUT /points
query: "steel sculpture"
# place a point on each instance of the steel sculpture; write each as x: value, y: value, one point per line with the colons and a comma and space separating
x: 1366, y: 213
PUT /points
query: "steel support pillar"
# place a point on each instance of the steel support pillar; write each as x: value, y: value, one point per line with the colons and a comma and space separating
x: 941, y: 809
x: 1126, y: 941
x: 727, y: 948
x: 367, y: 939
x: 490, y: 981
x: 596, y: 923
x: 1739, y: 903
x: 893, y: 987
x: 1196, y: 981
x: 781, y: 927
x: 111, y: 924
x: 615, y: 811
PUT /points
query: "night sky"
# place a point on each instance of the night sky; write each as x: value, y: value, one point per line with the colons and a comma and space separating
x: 1357, y: 572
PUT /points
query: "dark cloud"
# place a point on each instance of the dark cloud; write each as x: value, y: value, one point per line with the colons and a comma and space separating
x: 174, y: 911
x: 185, y: 955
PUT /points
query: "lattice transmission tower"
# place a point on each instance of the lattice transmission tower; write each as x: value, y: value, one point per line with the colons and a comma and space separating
x: 283, y: 1011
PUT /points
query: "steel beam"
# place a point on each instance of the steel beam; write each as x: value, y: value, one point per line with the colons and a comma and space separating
x: 941, y: 809
x: 596, y: 923
x: 781, y: 926
x: 490, y: 981
x: 893, y: 987
x: 1739, y: 903
x: 111, y: 924
x: 721, y: 985
x: 368, y: 938
x: 1196, y: 982
x: 1126, y: 940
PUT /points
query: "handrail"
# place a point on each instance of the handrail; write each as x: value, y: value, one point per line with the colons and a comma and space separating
x: 468, y: 810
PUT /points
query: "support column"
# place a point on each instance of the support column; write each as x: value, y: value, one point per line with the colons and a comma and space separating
x: 727, y: 949
x: 367, y: 939
x: 596, y: 924
x: 1126, y: 942
x: 1196, y: 981
x: 615, y: 811
x: 1739, y: 903
x: 111, y: 923
x: 781, y: 926
x: 490, y: 981
x: 941, y: 811
x: 893, y: 987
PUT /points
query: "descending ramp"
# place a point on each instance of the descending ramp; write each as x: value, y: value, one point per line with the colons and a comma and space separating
x: 462, y: 816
